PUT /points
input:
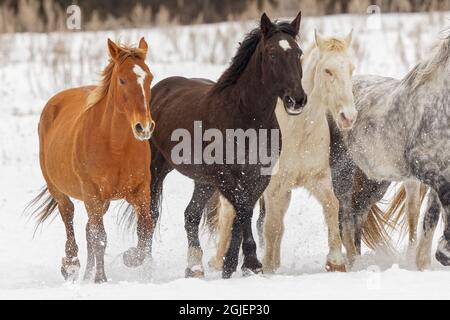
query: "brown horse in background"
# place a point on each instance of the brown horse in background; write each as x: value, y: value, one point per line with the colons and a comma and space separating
x: 94, y: 148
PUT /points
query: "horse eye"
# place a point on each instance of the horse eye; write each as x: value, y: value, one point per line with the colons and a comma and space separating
x: 328, y: 71
x: 122, y: 81
x: 272, y: 56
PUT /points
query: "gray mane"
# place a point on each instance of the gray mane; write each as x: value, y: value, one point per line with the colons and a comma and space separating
x: 425, y: 70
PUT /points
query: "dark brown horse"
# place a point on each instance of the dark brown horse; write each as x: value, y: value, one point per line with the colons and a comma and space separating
x: 265, y: 68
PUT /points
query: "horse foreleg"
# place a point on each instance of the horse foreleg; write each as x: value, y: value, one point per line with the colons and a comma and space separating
x: 430, y: 222
x: 192, y: 217
x: 430, y: 173
x: 135, y: 257
x: 251, y: 262
x: 322, y: 190
x: 232, y: 255
x: 443, y: 252
x: 413, y: 203
x: 277, y: 200
x: 96, y: 236
x: 70, y: 264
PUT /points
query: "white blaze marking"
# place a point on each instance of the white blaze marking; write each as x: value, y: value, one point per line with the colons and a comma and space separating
x: 140, y: 75
x: 284, y: 44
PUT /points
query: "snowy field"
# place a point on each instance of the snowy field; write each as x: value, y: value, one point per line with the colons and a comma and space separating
x: 34, y: 67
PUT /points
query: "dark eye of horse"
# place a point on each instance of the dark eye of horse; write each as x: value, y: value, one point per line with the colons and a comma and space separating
x: 272, y: 56
x: 122, y: 81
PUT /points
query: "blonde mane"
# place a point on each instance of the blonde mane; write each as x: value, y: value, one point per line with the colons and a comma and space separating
x: 101, y: 90
x: 331, y: 44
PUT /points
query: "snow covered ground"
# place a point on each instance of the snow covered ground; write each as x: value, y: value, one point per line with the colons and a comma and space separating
x: 33, y: 67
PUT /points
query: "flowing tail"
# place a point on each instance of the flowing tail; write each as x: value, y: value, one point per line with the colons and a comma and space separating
x: 380, y: 224
x: 44, y: 205
x: 211, y: 214
x: 375, y: 230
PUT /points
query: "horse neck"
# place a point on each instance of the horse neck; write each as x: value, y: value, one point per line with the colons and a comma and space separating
x: 112, y: 124
x: 315, y: 107
x: 256, y: 98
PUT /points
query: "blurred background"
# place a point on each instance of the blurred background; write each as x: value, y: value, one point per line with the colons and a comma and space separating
x: 50, y: 15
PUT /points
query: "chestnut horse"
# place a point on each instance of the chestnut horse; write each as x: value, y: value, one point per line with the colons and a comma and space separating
x: 94, y: 148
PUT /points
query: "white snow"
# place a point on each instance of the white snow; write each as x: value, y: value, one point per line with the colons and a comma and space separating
x: 32, y: 70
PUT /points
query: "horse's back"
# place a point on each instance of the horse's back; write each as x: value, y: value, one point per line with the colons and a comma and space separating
x: 372, y: 89
x: 179, y: 90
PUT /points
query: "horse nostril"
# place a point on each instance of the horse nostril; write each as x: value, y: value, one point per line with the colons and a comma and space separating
x: 139, y: 128
x: 305, y: 100
x: 347, y: 122
x: 289, y: 101
x: 152, y: 126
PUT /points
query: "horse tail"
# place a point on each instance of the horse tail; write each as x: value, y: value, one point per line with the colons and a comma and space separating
x: 211, y: 213
x: 380, y: 224
x: 45, y: 205
x: 396, y: 212
x: 375, y: 231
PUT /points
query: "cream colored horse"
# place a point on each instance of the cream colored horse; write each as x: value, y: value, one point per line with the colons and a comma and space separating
x: 304, y: 161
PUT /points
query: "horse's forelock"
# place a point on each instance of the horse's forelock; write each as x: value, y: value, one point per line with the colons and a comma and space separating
x: 102, y: 89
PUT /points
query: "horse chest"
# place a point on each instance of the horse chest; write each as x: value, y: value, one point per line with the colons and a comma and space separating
x: 116, y: 174
x: 305, y: 151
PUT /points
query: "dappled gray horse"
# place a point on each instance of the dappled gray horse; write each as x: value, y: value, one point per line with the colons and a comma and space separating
x: 402, y: 134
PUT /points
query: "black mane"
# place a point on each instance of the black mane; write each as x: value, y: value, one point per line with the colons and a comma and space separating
x: 245, y: 52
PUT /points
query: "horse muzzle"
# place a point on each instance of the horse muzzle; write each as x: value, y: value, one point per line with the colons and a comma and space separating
x: 142, y: 133
x: 347, y: 118
x: 294, y: 107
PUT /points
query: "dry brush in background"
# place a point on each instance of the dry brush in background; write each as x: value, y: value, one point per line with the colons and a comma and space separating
x: 50, y: 15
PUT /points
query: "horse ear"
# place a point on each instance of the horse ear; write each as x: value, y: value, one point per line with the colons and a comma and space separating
x: 266, y: 24
x: 296, y: 23
x: 349, y: 39
x: 319, y: 40
x: 114, y: 49
x: 143, y: 45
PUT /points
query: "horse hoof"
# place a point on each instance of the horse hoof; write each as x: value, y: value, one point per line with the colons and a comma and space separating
x: 443, y: 258
x: 195, y: 273
x: 133, y: 258
x: 250, y: 272
x: 253, y: 264
x: 215, y: 265
x: 331, y: 267
x: 88, y: 275
x: 99, y: 279
x: 267, y: 270
x: 70, y: 269
x: 227, y: 274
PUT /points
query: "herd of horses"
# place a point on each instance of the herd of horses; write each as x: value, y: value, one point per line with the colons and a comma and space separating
x: 344, y: 138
